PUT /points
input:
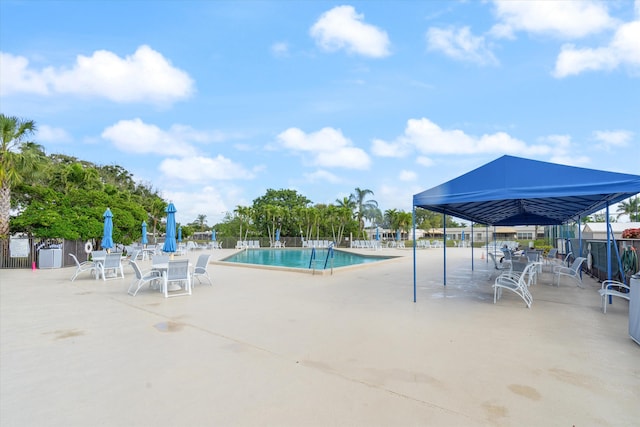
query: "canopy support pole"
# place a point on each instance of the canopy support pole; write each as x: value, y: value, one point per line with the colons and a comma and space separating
x: 608, y: 244
x: 444, y: 227
x: 471, y: 245
x: 486, y: 239
x: 413, y: 219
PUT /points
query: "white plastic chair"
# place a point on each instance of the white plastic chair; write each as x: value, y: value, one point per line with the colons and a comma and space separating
x: 142, y: 278
x: 135, y: 254
x: 607, y: 290
x: 200, y: 270
x: 550, y: 256
x: 112, y: 262
x: 177, y: 272
x: 82, y: 266
x: 516, y: 284
x: 572, y: 271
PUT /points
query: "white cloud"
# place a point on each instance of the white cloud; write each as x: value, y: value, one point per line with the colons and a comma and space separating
x: 145, y: 76
x: 322, y: 176
x: 382, y: 148
x: 52, y: 135
x: 424, y: 161
x: 206, y: 201
x: 564, y: 19
x: 342, y: 28
x: 400, y: 198
x: 406, y: 175
x: 16, y: 77
x: 326, y: 148
x: 617, y: 138
x: 426, y: 137
x: 280, y: 49
x: 204, y: 169
x: 461, y: 45
x: 135, y: 136
x: 563, y: 151
x: 624, y: 49
x: 571, y: 160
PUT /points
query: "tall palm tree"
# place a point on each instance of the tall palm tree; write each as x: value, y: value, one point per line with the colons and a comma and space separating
x: 346, y: 202
x: 630, y: 208
x: 202, y: 221
x: 14, y: 160
x: 363, y: 205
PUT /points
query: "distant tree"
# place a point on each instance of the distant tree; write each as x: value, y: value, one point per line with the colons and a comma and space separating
x: 201, y: 221
x: 359, y: 197
x: 263, y: 209
x: 630, y: 207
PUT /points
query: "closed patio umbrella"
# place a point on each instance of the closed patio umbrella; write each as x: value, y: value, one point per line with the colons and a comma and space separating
x: 144, y: 233
x: 179, y: 234
x: 278, y: 235
x: 107, y: 240
x: 213, y: 235
x: 170, y: 238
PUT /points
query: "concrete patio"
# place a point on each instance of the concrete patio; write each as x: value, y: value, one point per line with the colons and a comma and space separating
x: 274, y: 348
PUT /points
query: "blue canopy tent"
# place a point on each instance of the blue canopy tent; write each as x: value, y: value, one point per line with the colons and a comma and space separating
x: 517, y: 191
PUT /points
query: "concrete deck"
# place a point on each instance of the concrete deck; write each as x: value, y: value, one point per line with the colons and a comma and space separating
x: 272, y: 348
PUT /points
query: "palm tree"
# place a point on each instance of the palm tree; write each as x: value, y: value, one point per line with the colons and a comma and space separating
x: 362, y: 205
x: 244, y: 213
x: 404, y: 220
x: 202, y: 221
x: 346, y: 202
x: 14, y: 160
x: 630, y: 208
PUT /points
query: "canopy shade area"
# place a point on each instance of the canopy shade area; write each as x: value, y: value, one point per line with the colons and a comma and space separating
x: 517, y: 191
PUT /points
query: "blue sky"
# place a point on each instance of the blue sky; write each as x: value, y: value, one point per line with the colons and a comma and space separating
x: 214, y: 102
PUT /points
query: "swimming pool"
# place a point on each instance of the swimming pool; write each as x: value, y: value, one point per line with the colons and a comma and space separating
x: 300, y: 258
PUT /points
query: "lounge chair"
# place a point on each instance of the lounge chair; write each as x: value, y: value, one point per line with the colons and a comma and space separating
x: 622, y: 291
x: 82, y: 266
x: 200, y: 270
x: 572, y: 271
x: 142, y: 278
x: 516, y: 284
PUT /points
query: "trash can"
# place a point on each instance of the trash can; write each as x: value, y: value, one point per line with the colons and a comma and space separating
x: 634, y: 308
x: 50, y: 258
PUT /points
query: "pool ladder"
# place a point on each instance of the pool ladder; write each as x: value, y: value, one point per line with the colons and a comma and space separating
x: 313, y: 259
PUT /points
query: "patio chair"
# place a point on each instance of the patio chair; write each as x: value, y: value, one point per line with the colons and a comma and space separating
x: 142, y: 278
x: 82, y: 266
x: 572, y: 271
x: 502, y: 266
x: 160, y: 259
x: 200, y: 269
x: 516, y: 284
x: 135, y: 254
x: 551, y: 256
x: 177, y: 273
x: 112, y: 263
x: 622, y: 291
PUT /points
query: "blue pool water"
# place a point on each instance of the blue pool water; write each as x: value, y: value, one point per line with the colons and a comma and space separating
x: 299, y: 258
